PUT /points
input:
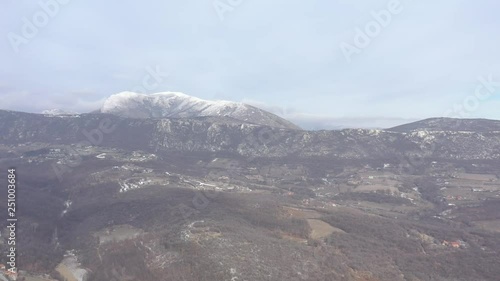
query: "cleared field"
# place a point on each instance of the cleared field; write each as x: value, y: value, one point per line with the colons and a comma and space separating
x: 375, y: 181
x: 386, y: 209
x: 473, y: 183
x: 321, y: 229
x: 376, y: 187
x: 477, y: 177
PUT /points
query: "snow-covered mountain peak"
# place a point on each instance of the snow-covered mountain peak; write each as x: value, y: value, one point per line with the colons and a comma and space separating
x: 166, y: 99
x: 180, y: 105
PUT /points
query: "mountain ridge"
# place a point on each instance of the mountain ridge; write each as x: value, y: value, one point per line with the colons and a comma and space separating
x: 449, y: 124
x: 211, y: 135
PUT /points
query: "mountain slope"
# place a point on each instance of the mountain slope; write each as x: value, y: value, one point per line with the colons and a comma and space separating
x: 178, y: 105
x: 450, y: 125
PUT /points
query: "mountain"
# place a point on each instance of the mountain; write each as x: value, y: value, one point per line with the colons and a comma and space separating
x: 450, y: 124
x: 209, y: 135
x: 179, y: 105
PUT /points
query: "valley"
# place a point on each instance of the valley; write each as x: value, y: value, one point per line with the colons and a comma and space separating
x: 123, y: 210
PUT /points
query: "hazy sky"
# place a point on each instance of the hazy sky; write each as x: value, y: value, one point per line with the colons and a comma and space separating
x: 299, y: 59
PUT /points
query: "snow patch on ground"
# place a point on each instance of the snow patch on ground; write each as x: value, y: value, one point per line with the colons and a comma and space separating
x: 67, y: 204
